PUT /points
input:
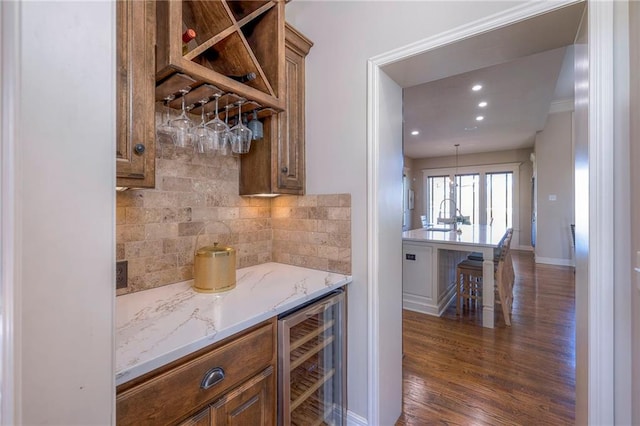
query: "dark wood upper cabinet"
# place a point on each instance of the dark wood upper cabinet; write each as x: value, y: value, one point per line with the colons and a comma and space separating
x: 276, y: 165
x: 135, y: 148
x: 233, y: 38
x: 291, y: 144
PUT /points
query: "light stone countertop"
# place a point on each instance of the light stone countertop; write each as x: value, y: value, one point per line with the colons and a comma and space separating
x: 472, y: 235
x: 158, y: 326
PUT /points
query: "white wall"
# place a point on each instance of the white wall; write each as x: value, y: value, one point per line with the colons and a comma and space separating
x: 345, y: 35
x: 66, y: 202
x: 554, y: 160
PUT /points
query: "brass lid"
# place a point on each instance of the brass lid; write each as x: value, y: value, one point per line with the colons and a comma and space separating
x: 214, y: 250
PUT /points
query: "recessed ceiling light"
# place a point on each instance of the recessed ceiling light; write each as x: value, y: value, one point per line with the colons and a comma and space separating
x: 476, y: 87
x: 415, y: 133
x: 468, y: 129
x: 482, y: 104
x: 479, y: 118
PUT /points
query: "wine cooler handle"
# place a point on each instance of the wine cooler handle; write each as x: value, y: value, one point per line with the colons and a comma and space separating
x: 320, y: 308
x: 212, y: 378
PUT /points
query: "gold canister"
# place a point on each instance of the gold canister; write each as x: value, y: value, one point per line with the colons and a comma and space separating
x: 214, y: 269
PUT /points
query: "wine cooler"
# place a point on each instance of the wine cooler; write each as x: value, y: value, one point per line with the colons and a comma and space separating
x: 311, y: 363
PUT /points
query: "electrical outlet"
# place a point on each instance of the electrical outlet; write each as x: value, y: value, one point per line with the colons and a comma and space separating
x: 121, y: 274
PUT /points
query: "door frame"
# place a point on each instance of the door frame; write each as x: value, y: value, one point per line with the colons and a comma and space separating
x: 9, y: 288
x: 596, y: 392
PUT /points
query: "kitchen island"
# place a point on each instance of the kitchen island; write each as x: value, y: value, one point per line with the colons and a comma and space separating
x: 157, y: 326
x: 429, y: 260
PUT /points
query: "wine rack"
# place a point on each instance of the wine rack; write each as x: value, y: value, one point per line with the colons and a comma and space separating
x: 233, y: 38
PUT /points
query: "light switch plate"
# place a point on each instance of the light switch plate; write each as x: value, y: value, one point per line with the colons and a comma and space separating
x: 121, y: 274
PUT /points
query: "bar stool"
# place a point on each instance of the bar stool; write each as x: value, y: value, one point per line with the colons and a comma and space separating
x: 468, y: 284
x: 469, y: 279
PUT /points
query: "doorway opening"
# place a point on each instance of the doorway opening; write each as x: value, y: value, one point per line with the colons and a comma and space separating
x: 599, y: 98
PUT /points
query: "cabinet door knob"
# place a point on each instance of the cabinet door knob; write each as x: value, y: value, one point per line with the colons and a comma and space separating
x: 284, y: 169
x: 139, y: 149
x: 212, y: 378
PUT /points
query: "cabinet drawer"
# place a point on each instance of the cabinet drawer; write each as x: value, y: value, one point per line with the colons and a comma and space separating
x: 173, y: 394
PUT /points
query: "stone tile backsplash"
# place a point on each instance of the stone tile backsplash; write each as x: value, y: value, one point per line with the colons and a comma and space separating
x: 196, y: 199
x: 313, y: 231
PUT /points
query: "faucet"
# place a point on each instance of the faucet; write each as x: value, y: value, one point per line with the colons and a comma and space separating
x: 449, y: 220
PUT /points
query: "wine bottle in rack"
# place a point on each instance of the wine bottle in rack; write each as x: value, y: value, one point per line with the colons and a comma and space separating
x: 243, y: 78
x: 187, y: 36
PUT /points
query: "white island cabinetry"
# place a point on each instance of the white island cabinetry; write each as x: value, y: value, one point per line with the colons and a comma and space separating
x: 428, y: 277
x: 429, y: 284
x: 417, y: 278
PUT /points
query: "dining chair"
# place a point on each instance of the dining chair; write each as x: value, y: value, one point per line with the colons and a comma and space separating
x: 469, y: 280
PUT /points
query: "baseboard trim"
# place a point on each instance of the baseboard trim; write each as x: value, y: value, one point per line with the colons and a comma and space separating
x: 554, y: 261
x: 425, y: 306
x: 354, y: 419
x: 523, y: 248
x: 419, y: 304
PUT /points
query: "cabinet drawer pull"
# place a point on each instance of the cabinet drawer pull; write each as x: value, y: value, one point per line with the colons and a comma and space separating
x: 212, y: 378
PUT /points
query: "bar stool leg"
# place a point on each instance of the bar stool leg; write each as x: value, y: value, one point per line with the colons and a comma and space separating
x: 458, y: 295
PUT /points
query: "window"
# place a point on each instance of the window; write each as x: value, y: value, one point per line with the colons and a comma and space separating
x: 487, y: 194
x: 468, y: 196
x: 500, y: 199
x: 437, y: 191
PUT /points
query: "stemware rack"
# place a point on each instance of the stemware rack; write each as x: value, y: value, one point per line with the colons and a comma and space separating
x: 233, y: 37
x: 199, y: 91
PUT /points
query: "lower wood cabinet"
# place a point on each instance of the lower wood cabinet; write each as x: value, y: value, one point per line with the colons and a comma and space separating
x: 250, y: 404
x: 202, y: 418
x: 229, y: 383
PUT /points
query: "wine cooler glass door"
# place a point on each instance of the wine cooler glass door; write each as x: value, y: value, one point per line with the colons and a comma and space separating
x: 312, y: 375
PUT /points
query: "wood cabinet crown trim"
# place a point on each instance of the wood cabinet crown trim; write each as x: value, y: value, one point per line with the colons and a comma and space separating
x: 296, y: 40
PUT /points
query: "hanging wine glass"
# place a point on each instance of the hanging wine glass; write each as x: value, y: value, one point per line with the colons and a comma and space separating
x: 182, y: 124
x: 164, y: 131
x: 219, y: 130
x: 201, y: 134
x: 242, y: 142
x: 256, y: 126
x: 231, y: 137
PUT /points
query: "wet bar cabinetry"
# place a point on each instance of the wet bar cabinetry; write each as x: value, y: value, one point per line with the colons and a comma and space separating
x: 231, y: 382
x: 190, y: 358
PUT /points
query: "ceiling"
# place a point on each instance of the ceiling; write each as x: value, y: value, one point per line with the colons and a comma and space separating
x: 522, y: 67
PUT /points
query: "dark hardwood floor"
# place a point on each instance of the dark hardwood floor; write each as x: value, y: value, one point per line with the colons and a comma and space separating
x: 458, y: 373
